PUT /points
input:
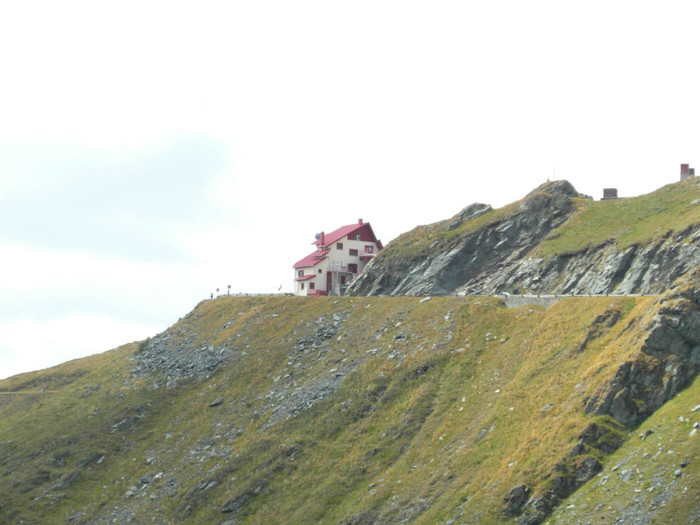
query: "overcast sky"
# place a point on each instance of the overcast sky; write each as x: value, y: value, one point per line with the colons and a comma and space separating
x: 152, y: 151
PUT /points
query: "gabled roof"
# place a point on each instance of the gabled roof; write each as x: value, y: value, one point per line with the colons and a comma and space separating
x: 306, y: 277
x: 312, y: 260
x: 336, y: 235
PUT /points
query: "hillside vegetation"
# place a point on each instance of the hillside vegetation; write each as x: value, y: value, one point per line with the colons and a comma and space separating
x: 626, y: 221
x: 629, y: 221
x: 555, y: 240
x: 328, y: 410
x: 434, y: 406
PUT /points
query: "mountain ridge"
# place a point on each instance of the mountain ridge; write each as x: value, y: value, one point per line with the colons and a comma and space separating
x: 555, y: 241
x: 358, y: 410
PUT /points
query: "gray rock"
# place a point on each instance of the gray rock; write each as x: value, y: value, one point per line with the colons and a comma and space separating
x: 515, y: 500
x: 95, y: 457
x: 474, y: 258
x: 472, y: 211
x: 173, y: 353
x: 304, y: 398
x: 626, y: 475
x: 495, y: 258
x: 124, y: 424
x: 67, y: 481
x: 641, y: 386
x: 216, y: 402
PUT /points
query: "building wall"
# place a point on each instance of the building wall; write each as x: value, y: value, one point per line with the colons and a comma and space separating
x: 337, y: 261
x: 319, y: 279
x: 343, y: 256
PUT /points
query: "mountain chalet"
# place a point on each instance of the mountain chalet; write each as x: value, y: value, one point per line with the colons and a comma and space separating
x: 339, y: 257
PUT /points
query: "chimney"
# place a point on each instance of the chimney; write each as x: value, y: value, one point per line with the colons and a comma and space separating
x: 685, y: 171
x: 359, y: 221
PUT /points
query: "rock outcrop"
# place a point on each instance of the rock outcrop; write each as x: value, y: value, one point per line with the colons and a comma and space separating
x: 646, y: 269
x: 497, y: 256
x: 668, y: 362
x: 477, y: 258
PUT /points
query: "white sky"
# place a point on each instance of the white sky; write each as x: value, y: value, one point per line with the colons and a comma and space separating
x: 152, y: 151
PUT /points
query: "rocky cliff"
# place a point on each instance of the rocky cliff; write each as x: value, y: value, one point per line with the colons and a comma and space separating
x: 554, y: 241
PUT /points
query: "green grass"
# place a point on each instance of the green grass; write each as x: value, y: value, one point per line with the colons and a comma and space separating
x: 629, y: 221
x: 422, y: 239
x: 653, y: 462
x: 442, y: 431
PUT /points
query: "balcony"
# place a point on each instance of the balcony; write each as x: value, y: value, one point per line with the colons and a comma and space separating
x: 336, y: 266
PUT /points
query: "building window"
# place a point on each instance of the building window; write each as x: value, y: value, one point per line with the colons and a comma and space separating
x: 302, y: 286
x: 300, y: 273
x: 358, y: 237
x: 339, y: 245
x: 342, y: 279
x: 369, y: 248
x: 353, y: 252
x: 312, y: 286
x: 320, y: 270
x: 352, y: 268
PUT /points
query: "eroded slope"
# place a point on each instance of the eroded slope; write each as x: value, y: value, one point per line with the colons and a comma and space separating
x: 339, y: 410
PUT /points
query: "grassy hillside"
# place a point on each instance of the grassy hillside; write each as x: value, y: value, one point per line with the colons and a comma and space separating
x: 330, y: 410
x: 632, y: 220
x: 653, y: 478
x: 422, y: 239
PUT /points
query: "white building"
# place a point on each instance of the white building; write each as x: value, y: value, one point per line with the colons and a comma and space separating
x: 339, y: 257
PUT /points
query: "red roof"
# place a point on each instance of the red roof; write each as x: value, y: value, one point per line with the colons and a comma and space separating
x: 312, y: 260
x: 306, y: 277
x: 330, y: 238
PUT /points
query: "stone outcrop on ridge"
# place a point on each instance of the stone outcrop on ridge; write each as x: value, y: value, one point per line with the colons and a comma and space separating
x: 496, y: 257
